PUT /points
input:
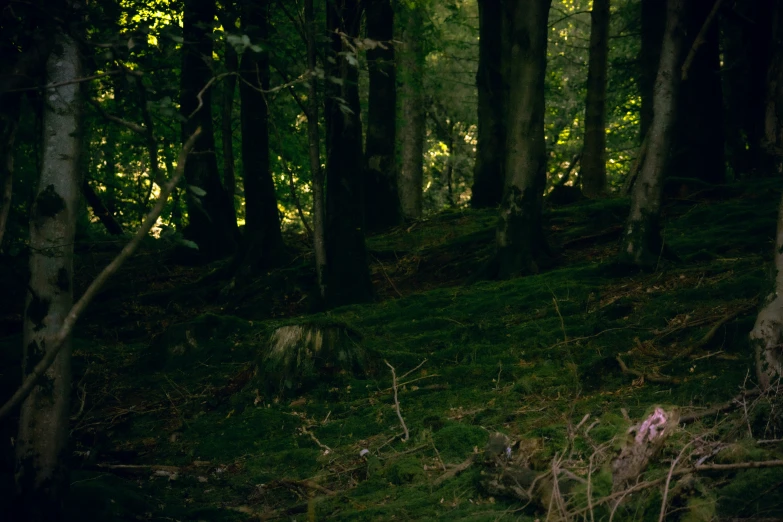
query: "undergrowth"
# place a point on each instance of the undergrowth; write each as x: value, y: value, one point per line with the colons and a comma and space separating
x: 173, y: 421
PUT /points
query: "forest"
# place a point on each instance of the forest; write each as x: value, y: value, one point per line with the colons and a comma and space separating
x: 391, y: 260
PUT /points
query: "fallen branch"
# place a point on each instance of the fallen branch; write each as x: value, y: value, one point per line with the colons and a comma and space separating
x: 57, y: 342
x: 726, y: 406
x: 397, y: 401
x: 657, y: 378
x: 453, y: 472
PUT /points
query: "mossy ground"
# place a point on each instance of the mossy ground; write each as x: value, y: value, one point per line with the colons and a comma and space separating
x: 166, y: 377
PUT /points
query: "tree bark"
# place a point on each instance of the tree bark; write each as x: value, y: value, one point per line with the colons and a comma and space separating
x: 746, y: 50
x: 226, y: 117
x: 593, y: 171
x: 262, y: 246
x: 210, y: 223
x: 641, y: 242
x: 653, y: 25
x: 520, y: 239
x: 413, y: 125
x: 348, y: 276
x: 488, y: 170
x: 767, y: 334
x: 314, y: 149
x: 99, y: 209
x: 382, y: 199
x: 698, y: 148
x: 9, y: 121
x: 41, y: 474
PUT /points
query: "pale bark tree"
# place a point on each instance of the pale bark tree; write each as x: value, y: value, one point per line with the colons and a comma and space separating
x: 641, y: 242
x: 593, y: 171
x: 382, y: 207
x: 348, y: 275
x: 413, y: 124
x: 488, y: 170
x: 767, y: 334
x: 44, y: 418
x: 521, y: 245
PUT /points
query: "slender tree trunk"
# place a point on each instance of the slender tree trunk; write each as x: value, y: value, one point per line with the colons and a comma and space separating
x: 348, y: 273
x: 211, y: 225
x: 653, y: 24
x: 767, y: 334
x: 641, y: 242
x: 520, y: 239
x: 263, y: 241
x: 314, y: 149
x: 44, y: 420
x: 382, y: 199
x: 413, y: 125
x: 698, y: 148
x: 226, y: 118
x: 593, y: 171
x: 99, y: 209
x: 490, y: 147
x: 9, y: 120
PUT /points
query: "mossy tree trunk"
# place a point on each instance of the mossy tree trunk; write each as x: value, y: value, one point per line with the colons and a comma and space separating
x: 41, y: 446
x: 593, y: 172
x: 348, y: 276
x: 767, y: 334
x: 488, y: 171
x: 641, y: 242
x: 211, y: 225
x: 382, y: 199
x: 653, y: 24
x: 520, y: 239
x: 413, y: 124
x: 699, y: 144
x: 262, y: 242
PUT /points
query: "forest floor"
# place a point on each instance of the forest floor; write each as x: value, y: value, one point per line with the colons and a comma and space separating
x: 179, y: 415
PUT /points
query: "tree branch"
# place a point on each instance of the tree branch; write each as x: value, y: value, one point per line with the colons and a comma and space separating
x: 78, y: 308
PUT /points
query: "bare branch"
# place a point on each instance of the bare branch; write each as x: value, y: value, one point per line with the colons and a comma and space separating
x: 57, y: 342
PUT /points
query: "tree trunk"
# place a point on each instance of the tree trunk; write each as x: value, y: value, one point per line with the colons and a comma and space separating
x: 488, y: 170
x: 44, y: 420
x: 746, y: 46
x: 413, y: 125
x: 653, y: 24
x: 698, y: 149
x: 348, y: 276
x: 263, y: 241
x: 767, y: 334
x: 226, y: 118
x: 211, y: 225
x: 382, y: 198
x: 641, y: 242
x: 314, y: 149
x: 520, y: 239
x: 99, y: 209
x: 9, y: 120
x: 593, y: 171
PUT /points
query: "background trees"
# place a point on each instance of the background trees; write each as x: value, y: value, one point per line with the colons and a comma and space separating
x: 491, y: 111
